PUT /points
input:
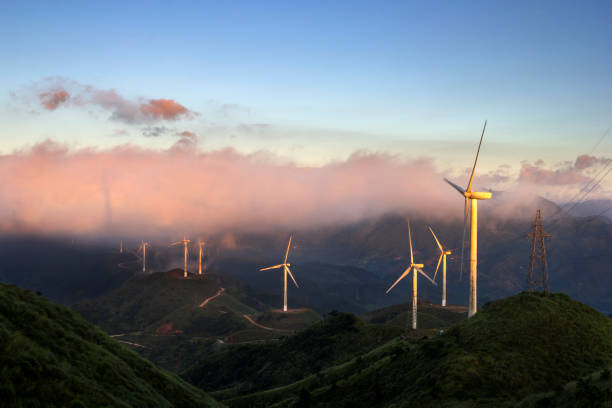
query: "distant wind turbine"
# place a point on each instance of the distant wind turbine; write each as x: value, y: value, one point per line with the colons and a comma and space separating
x: 200, y: 244
x: 472, y: 196
x: 121, y: 247
x: 442, y: 259
x: 185, y: 241
x: 286, y: 271
x: 415, y: 268
x: 143, y: 248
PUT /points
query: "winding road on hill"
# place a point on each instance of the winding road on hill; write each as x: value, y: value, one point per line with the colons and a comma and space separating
x: 261, y: 326
x: 205, y: 302
x: 126, y: 342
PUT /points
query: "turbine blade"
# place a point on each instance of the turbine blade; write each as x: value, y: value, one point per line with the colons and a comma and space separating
x: 272, y: 267
x: 469, y: 188
x: 438, y: 266
x: 406, y: 272
x: 456, y: 187
x: 410, y: 239
x: 436, y: 238
x: 292, y: 278
x: 288, y: 246
x: 425, y: 275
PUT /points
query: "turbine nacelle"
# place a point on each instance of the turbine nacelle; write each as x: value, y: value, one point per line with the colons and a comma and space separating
x: 418, y: 266
x: 478, y: 195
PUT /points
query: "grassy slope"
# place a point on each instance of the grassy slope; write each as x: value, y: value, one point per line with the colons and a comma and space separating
x: 162, y: 312
x: 429, y: 315
x: 513, y: 347
x: 145, y: 303
x: 51, y: 357
x: 246, y: 368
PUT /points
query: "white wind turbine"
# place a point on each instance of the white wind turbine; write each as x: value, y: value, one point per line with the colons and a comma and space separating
x: 442, y: 259
x: 143, y: 248
x: 185, y: 242
x: 200, y: 244
x: 286, y: 271
x: 473, y: 197
x: 415, y: 268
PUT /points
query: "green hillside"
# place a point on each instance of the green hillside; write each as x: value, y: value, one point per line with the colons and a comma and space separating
x: 594, y: 390
x: 51, y: 357
x: 153, y: 302
x: 173, y: 321
x: 247, y: 368
x: 429, y: 315
x: 513, y: 347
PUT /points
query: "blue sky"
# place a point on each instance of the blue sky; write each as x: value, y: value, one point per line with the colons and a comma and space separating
x: 327, y: 78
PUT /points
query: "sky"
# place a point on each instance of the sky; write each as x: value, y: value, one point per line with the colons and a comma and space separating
x: 309, y: 85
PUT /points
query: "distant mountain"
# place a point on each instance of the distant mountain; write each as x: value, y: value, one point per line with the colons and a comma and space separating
x: 52, y: 357
x: 590, y: 208
x: 61, y: 270
x: 349, y: 267
x: 514, y: 347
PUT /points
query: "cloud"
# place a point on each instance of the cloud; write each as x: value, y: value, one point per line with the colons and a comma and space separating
x: 55, y: 91
x: 567, y: 172
x: 188, y: 135
x: 51, y: 99
x: 130, y: 190
x: 163, y: 108
x: 155, y: 131
x: 585, y: 161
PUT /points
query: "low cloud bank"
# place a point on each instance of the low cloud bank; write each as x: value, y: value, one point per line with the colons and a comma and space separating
x: 132, y: 191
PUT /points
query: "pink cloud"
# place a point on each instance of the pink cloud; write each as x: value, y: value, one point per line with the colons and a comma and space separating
x: 539, y: 175
x: 51, y: 99
x: 56, y: 91
x: 181, y: 190
x: 585, y: 161
x: 163, y: 108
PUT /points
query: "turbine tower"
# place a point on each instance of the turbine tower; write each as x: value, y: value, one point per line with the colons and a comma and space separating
x: 443, y: 254
x: 121, y: 247
x: 286, y: 271
x: 185, y: 241
x: 415, y: 268
x: 200, y: 244
x: 472, y: 197
x: 143, y: 248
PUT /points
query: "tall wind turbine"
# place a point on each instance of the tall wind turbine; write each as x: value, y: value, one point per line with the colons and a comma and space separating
x: 200, y: 244
x: 143, y: 248
x: 472, y: 197
x: 442, y: 259
x: 414, y: 268
x: 286, y: 271
x: 185, y: 241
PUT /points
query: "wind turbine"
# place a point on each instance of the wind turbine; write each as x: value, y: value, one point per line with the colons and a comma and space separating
x: 121, y: 247
x: 143, y: 247
x: 442, y: 259
x: 472, y: 197
x: 185, y: 241
x: 286, y: 271
x: 200, y: 244
x: 415, y: 268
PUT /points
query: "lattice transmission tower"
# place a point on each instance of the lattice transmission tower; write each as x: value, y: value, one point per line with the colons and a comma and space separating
x: 537, y: 258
